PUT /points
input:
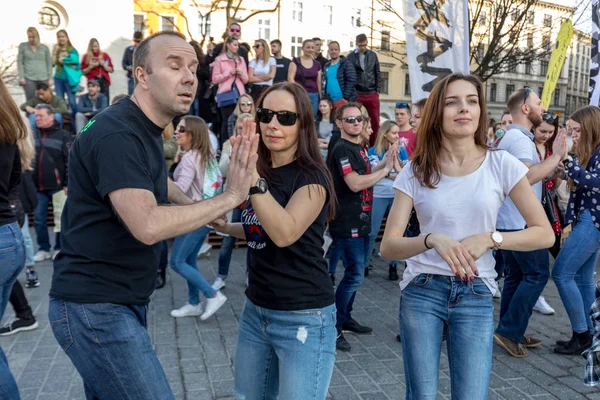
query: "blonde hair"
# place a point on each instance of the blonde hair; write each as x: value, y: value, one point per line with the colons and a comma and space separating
x: 26, y: 148
x: 240, y: 119
x: 90, y: 53
x: 238, y: 109
x: 12, y: 127
x: 168, y: 132
x: 381, y: 143
x: 266, y: 53
x: 36, y: 34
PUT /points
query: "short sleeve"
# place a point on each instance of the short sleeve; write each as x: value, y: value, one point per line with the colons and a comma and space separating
x: 341, y: 160
x: 406, y: 181
x: 511, y: 171
x: 272, y: 62
x: 119, y: 161
x: 252, y: 64
x: 519, y: 147
x: 315, y: 177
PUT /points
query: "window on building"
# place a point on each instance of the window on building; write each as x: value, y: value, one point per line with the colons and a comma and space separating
x: 264, y: 29
x: 297, y: 11
x: 385, y: 82
x: 509, y: 90
x: 296, y: 49
x: 543, y: 68
x: 493, y: 91
x: 531, y: 17
x: 385, y: 40
x: 356, y: 18
x: 483, y: 18
x: 204, y: 25
x: 556, y: 97
x: 328, y: 15
x: 138, y: 23
x: 530, y: 40
x: 576, y: 83
x: 167, y: 23
x: 386, y: 5
x: 512, y: 67
x: 546, y: 43
x: 528, y: 69
x: 547, y: 20
x: 480, y: 52
x: 515, y: 15
x: 407, y: 85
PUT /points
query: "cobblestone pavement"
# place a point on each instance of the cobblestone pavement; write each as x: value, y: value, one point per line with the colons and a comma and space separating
x: 198, y: 356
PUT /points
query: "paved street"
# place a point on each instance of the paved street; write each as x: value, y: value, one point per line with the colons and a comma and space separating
x: 198, y: 356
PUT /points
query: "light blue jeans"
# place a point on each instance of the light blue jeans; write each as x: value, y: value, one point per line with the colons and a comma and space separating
x: 28, y: 243
x: 573, y: 271
x: 381, y: 208
x: 284, y: 354
x: 183, y: 261
x: 430, y: 305
x: 12, y: 261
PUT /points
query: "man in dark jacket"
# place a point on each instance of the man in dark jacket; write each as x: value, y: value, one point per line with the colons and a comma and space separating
x: 235, y: 29
x: 338, y: 80
x: 90, y: 104
x: 127, y: 61
x: 49, y: 173
x: 319, y: 56
x: 368, y: 80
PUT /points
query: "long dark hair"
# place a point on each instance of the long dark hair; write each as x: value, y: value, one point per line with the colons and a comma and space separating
x: 308, y: 156
x: 426, y: 157
x: 331, y: 113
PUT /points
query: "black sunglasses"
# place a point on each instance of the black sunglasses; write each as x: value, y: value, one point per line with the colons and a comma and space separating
x: 549, y: 117
x: 285, y: 118
x: 181, y: 128
x: 352, y: 120
x: 528, y: 91
x: 257, y: 46
x: 402, y: 105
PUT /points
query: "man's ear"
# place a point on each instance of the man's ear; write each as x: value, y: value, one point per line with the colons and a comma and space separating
x: 338, y: 123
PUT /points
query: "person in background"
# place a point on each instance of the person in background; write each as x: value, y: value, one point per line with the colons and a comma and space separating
x: 383, y: 191
x: 197, y: 175
x: 407, y: 133
x: 97, y: 65
x: 573, y: 270
x: 127, y: 61
x: 90, y: 104
x: 230, y: 73
x: 245, y: 105
x: 325, y: 124
x: 235, y: 29
x: 318, y: 52
x: 261, y: 69
x: 368, y: 80
x: 49, y: 174
x: 34, y: 64
x: 338, y: 78
x: 12, y: 249
x: 417, y: 114
x: 282, y: 63
x: 67, y: 72
x: 306, y: 72
x: 506, y: 120
x: 118, y: 97
x: 45, y: 96
x: 201, y: 106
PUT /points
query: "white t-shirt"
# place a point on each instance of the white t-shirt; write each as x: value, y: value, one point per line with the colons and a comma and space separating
x: 518, y: 142
x: 460, y: 207
x: 261, y: 69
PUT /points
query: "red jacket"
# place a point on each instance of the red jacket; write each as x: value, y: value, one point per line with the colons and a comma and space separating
x: 99, y: 70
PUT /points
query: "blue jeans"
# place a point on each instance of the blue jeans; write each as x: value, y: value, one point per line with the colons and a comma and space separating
x: 39, y: 219
x: 57, y: 116
x: 28, y: 243
x: 183, y: 261
x: 110, y: 347
x: 62, y: 87
x: 130, y: 85
x: 227, y: 246
x: 12, y: 261
x: 335, y: 254
x: 353, y: 251
x: 381, y: 208
x: 314, y: 101
x: 430, y: 305
x: 527, y: 273
x: 304, y: 342
x: 573, y: 271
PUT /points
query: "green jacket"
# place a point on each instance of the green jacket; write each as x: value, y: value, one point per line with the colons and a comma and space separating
x: 34, y: 66
x: 56, y: 103
x: 71, y: 68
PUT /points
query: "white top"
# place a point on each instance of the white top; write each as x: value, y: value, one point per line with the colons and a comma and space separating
x: 261, y: 69
x: 518, y: 141
x: 460, y: 207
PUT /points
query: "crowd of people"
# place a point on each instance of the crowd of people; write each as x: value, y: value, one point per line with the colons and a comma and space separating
x: 290, y: 156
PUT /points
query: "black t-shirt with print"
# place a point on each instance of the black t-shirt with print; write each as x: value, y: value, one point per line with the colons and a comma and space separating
x: 100, y: 261
x: 293, y: 277
x: 353, y: 216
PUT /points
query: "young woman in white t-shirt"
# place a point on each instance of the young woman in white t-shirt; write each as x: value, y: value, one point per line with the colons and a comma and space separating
x: 261, y: 70
x: 457, y: 186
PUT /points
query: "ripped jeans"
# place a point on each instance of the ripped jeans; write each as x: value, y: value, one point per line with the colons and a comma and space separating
x: 303, y: 340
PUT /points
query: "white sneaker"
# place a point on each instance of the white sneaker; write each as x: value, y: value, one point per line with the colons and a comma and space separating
x: 212, y: 305
x: 498, y: 294
x: 219, y: 284
x: 204, y: 250
x: 42, y: 256
x: 187, y: 311
x: 542, y: 306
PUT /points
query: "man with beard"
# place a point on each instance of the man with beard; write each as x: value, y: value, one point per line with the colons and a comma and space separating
x: 526, y: 272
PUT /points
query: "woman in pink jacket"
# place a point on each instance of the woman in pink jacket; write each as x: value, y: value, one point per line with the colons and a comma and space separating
x: 230, y: 73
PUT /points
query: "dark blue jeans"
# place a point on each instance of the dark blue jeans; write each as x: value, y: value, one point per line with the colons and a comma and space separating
x: 353, y: 251
x: 130, y: 85
x: 110, y: 347
x: 39, y: 218
x: 527, y: 273
x: 227, y: 246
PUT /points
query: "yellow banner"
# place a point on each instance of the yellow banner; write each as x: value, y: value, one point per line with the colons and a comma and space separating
x: 557, y: 60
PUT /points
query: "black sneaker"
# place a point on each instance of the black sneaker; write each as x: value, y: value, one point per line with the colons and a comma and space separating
x: 367, y: 269
x: 353, y: 326
x: 18, y: 325
x: 341, y: 343
x: 393, y: 273
x: 32, y: 279
x: 332, y: 276
x: 398, y: 338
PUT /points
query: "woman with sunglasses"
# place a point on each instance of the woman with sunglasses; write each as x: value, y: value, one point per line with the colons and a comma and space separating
x: 198, y: 176
x: 286, y: 343
x: 245, y: 105
x: 448, y: 282
x: 230, y: 73
x: 306, y: 72
x: 573, y: 270
x: 261, y: 70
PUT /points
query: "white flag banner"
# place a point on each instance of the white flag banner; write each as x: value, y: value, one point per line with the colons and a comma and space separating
x: 437, y: 42
x: 594, y: 91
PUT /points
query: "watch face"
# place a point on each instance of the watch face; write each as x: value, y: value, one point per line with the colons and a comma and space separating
x: 497, y: 237
x: 262, y: 185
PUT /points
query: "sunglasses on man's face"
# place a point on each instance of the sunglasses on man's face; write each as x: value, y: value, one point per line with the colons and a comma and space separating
x: 285, y: 118
x: 353, y: 120
x: 246, y: 103
x: 236, y: 30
